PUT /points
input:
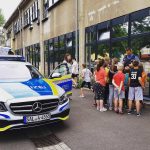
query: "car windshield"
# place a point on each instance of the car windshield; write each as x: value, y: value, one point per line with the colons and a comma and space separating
x: 13, y: 72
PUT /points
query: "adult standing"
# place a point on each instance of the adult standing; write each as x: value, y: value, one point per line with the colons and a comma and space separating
x: 99, y: 87
x: 75, y: 71
x: 68, y: 61
x: 129, y: 57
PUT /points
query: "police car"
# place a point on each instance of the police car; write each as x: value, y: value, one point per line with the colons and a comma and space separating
x: 27, y: 98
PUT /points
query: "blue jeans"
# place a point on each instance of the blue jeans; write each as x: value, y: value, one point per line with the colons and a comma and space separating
x: 111, y: 95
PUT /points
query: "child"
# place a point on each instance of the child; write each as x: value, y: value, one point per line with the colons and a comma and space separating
x: 119, y: 91
x: 144, y: 75
x: 86, y: 76
x: 126, y: 84
x: 111, y: 73
x: 135, y: 88
x: 99, y: 87
x: 75, y: 71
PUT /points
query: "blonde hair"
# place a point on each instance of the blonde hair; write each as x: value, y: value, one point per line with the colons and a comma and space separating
x: 120, y: 66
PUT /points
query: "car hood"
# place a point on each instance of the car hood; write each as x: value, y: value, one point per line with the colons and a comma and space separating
x: 30, y: 88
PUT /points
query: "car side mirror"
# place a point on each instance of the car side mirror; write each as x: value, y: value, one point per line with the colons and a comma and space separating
x: 56, y: 75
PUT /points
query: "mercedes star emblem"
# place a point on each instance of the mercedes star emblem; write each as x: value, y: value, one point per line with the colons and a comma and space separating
x: 37, y: 107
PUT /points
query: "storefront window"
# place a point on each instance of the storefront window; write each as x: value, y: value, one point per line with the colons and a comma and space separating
x: 103, y: 34
x: 90, y: 56
x: 103, y: 50
x: 140, y: 22
x: 119, y: 49
x: 120, y: 27
x: 103, y: 31
x: 91, y: 34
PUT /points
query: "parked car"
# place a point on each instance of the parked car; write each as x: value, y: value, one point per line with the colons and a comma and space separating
x: 27, y: 98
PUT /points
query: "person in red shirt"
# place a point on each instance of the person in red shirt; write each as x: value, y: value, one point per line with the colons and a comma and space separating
x: 119, y: 91
x: 99, y: 87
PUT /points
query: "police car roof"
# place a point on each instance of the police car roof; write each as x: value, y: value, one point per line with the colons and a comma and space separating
x: 12, y: 58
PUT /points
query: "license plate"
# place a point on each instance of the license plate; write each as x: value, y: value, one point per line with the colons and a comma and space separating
x: 37, y: 118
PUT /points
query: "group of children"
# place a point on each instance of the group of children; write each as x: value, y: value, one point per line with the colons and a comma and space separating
x: 124, y: 84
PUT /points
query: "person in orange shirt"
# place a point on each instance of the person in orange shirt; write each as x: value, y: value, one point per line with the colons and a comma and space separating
x: 100, y: 78
x: 144, y: 75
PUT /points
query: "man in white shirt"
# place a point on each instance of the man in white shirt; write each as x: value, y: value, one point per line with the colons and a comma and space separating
x: 75, y: 71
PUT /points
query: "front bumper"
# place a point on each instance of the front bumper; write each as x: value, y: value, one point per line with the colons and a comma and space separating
x: 8, y: 121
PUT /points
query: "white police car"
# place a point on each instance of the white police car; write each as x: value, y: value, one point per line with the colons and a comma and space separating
x: 27, y: 98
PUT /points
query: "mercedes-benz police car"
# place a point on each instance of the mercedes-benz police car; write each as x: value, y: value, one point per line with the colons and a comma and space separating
x: 27, y: 98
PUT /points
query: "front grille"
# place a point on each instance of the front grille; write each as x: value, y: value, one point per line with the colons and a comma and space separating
x: 26, y: 108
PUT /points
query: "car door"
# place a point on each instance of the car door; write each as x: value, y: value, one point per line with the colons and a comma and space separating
x: 63, y: 78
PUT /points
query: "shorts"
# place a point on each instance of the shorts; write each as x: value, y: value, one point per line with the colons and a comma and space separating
x: 135, y: 93
x: 74, y: 75
x: 84, y: 83
x: 119, y: 96
x: 99, y: 91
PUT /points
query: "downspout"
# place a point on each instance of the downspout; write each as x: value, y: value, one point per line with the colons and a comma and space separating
x: 76, y: 33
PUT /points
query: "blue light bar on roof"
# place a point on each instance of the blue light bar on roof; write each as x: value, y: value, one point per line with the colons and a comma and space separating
x: 12, y: 58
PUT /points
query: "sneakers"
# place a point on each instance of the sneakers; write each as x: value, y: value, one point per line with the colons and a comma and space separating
x: 82, y: 96
x: 129, y: 112
x: 103, y: 109
x: 110, y: 108
x: 138, y: 114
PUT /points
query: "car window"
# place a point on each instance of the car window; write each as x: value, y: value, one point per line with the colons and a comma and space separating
x: 35, y: 74
x: 14, y: 71
x: 18, y: 72
x: 62, y: 69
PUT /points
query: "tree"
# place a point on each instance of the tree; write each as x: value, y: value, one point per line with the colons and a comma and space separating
x: 2, y: 19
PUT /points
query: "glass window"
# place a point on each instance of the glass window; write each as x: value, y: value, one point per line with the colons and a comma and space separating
x: 45, y: 8
x: 46, y: 59
x: 56, y: 50
x: 91, y: 34
x: 120, y: 27
x: 51, y: 55
x: 103, y: 50
x: 140, y: 21
x: 31, y: 15
x: 62, y: 69
x: 55, y: 1
x: 37, y: 55
x: 15, y: 72
x: 62, y: 48
x: 69, y: 42
x: 28, y: 54
x: 119, y: 49
x: 103, y: 35
x: 90, y: 56
x: 103, y: 31
x: 140, y: 45
x: 50, y: 3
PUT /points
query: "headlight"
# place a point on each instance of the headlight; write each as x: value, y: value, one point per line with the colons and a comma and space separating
x: 2, y: 107
x: 63, y: 99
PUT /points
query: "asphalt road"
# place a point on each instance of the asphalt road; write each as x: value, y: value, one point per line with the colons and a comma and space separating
x: 87, y: 129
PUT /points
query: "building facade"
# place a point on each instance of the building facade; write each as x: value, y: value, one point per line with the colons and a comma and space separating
x: 44, y: 30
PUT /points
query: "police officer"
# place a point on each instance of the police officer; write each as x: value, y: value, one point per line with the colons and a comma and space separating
x: 129, y: 57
